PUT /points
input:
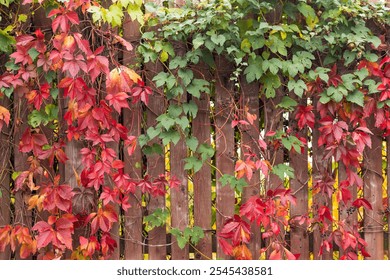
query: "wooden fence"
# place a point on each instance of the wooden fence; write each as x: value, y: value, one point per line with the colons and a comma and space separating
x: 201, y: 200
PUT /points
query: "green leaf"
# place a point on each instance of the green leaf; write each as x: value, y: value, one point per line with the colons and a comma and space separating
x: 371, y: 57
x: 154, y: 149
x: 186, y: 75
x: 156, y: 219
x: 193, y: 163
x: 219, y: 40
x: 299, y: 87
x: 54, y: 92
x: 160, y: 79
x: 349, y: 57
x: 290, y: 142
x: 143, y: 140
x: 33, y: 53
x: 36, y: 118
x: 11, y: 66
x: 270, y: 82
x: 174, y: 110
x: 198, y: 41
x: 153, y: 132
x: 190, y: 108
x: 281, y: 170
x: 51, y: 111
x: 192, y: 143
x: 197, y: 86
x: 254, y: 70
x: 170, y: 136
x: 197, y: 234
x: 206, y: 151
x: 183, y: 122
x: 356, y: 97
x: 233, y: 182
x: 246, y: 45
x: 287, y: 103
x: 178, y: 62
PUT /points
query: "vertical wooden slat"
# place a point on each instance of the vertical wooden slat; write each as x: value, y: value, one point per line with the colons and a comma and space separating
x: 178, y: 152
x: 133, y: 164
x: 351, y: 219
x: 249, y: 137
x: 372, y: 178
x: 388, y: 194
x: 202, y: 179
x: 5, y: 178
x: 179, y: 197
x: 22, y: 216
x: 299, y: 186
x: 225, y: 153
x: 155, y: 165
x: 320, y: 166
x: 273, y: 121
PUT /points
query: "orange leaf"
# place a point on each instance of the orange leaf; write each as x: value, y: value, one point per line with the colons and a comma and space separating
x: 4, y: 116
x: 242, y: 252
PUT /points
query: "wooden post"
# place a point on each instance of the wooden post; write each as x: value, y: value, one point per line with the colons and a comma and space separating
x: 132, y: 119
x: 5, y: 178
x: 201, y: 129
x: 178, y: 152
x: 225, y: 152
x: 388, y: 194
x: 320, y: 166
x: 351, y: 219
x: 373, y: 226
x: 299, y: 187
x: 249, y: 136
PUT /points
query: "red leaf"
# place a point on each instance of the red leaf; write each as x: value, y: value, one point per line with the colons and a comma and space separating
x: 124, y: 43
x: 289, y: 255
x: 275, y: 255
x: 141, y: 92
x: 103, y: 219
x: 226, y: 247
x: 118, y: 101
x: 46, y: 234
x: 305, y: 116
x: 253, y: 209
x: 236, y: 229
x: 245, y: 168
x: 362, y: 202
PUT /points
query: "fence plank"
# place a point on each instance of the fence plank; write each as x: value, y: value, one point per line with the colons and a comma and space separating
x: 155, y: 165
x: 373, y: 227
x: 179, y: 197
x: 201, y: 129
x: 387, y: 211
x: 225, y: 152
x: 319, y: 167
x: 250, y: 135
x: 132, y: 119
x: 273, y: 121
x: 22, y: 216
x: 5, y: 178
x: 351, y: 219
x: 299, y: 187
